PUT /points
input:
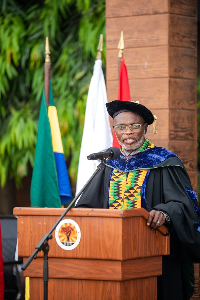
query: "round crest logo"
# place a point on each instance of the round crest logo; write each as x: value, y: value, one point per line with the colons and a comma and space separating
x: 68, y: 234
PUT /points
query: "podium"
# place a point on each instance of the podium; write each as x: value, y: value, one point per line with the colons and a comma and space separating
x: 118, y: 256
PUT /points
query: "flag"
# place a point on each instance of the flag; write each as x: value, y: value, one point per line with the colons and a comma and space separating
x: 1, y: 270
x: 97, y: 134
x: 123, y: 92
x: 63, y: 178
x: 50, y: 185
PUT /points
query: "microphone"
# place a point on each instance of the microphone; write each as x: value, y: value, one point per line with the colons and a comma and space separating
x: 112, y: 153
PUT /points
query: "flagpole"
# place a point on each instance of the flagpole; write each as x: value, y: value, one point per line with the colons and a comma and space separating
x: 100, y: 48
x: 97, y: 133
x: 120, y: 54
x: 47, y: 71
x: 45, y: 246
x: 122, y: 80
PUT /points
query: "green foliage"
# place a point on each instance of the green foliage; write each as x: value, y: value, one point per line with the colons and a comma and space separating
x: 73, y: 28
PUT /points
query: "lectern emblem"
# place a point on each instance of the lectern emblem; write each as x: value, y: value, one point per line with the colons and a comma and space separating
x: 68, y: 234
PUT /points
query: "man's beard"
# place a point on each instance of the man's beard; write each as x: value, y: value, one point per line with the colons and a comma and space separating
x: 136, y: 146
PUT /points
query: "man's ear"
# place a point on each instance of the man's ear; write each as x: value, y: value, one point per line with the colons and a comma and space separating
x: 145, y: 127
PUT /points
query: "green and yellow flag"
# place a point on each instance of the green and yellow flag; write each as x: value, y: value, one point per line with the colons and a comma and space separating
x: 50, y: 185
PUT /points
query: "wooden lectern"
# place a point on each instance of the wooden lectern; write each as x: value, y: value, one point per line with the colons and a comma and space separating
x: 118, y: 256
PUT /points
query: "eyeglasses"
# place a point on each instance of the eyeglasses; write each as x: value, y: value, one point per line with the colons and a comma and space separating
x: 132, y: 127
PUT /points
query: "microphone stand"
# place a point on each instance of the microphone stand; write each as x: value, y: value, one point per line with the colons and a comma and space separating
x: 43, y: 243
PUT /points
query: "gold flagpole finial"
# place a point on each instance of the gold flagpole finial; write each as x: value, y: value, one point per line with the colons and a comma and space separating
x: 100, y: 47
x: 154, y: 125
x: 47, y: 51
x: 121, y: 45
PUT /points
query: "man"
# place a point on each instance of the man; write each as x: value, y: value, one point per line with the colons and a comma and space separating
x: 155, y: 179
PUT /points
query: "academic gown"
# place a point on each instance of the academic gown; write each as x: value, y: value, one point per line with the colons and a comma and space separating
x: 166, y: 187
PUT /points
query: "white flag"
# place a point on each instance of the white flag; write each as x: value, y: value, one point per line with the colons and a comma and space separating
x: 97, y: 134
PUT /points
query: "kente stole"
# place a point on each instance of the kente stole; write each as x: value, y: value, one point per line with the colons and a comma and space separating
x: 125, y: 188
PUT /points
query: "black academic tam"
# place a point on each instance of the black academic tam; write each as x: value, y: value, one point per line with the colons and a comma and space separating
x: 116, y: 107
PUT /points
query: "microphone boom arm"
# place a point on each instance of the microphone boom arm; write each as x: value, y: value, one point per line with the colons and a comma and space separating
x: 48, y: 235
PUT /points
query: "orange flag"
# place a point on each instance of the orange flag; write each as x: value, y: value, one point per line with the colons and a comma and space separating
x: 123, y: 93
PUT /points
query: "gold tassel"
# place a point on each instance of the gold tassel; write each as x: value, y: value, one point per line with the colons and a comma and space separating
x: 135, y: 101
x: 154, y: 125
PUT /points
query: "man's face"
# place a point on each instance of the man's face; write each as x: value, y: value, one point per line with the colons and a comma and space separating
x: 130, y: 140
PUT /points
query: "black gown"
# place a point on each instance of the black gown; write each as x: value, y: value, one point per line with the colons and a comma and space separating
x: 166, y: 189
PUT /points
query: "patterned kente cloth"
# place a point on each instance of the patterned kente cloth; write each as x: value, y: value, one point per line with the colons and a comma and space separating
x: 125, y: 188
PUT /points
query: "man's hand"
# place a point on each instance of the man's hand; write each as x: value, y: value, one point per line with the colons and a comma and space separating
x: 156, y: 219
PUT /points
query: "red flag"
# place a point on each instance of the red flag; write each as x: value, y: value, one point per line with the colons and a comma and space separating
x: 1, y: 270
x: 123, y: 90
x: 123, y: 93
